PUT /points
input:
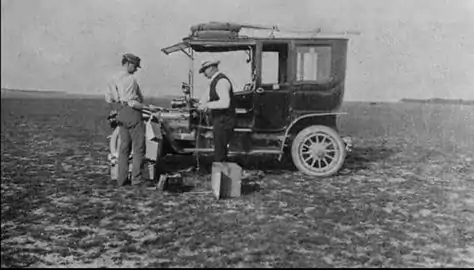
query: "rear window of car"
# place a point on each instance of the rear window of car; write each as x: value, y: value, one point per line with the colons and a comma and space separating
x: 313, y: 63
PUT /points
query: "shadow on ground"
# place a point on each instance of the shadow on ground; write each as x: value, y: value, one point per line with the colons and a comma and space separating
x: 249, y: 186
x: 360, y: 158
x: 174, y: 163
x: 196, y: 180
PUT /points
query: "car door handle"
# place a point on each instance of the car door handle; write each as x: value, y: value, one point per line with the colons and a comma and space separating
x: 259, y: 90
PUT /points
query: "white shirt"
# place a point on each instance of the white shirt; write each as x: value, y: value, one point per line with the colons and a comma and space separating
x: 222, y: 90
x: 124, y: 87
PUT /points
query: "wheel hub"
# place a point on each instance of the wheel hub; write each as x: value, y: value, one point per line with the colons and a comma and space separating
x: 318, y: 151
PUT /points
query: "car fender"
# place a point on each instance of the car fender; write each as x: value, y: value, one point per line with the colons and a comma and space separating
x: 285, y: 137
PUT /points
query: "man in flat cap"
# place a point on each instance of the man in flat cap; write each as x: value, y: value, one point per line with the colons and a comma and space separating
x: 124, y: 92
x: 220, y: 101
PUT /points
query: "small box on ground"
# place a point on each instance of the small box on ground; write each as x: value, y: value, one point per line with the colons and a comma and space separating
x: 150, y: 171
x: 167, y: 181
x: 226, y: 180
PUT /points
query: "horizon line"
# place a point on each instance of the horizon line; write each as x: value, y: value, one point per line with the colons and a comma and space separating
x: 170, y: 95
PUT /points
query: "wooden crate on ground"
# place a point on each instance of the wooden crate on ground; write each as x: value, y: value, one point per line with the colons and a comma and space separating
x: 226, y: 180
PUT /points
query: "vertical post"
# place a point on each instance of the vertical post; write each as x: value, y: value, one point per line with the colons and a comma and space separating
x: 258, y: 64
x: 191, y: 72
x: 314, y: 64
x: 300, y: 65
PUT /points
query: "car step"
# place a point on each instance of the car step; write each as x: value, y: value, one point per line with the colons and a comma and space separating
x: 274, y: 150
x: 235, y: 129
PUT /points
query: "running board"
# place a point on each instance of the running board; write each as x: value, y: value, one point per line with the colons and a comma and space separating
x: 235, y: 129
x: 251, y: 152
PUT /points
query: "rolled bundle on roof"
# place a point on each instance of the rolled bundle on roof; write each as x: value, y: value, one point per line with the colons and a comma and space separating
x: 215, y: 34
x: 216, y: 26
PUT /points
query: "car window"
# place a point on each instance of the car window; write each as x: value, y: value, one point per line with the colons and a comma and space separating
x: 269, y: 67
x: 274, y: 63
x: 313, y: 63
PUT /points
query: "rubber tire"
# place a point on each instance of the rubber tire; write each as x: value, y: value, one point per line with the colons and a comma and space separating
x: 300, y: 138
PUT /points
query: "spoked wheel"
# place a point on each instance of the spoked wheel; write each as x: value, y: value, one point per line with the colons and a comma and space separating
x: 318, y: 151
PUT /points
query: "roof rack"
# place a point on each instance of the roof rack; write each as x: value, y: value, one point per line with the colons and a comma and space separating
x: 233, y: 34
x: 234, y: 30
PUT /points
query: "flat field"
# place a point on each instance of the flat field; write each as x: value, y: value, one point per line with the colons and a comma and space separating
x: 405, y: 197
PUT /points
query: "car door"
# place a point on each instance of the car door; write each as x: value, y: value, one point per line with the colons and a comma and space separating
x: 319, y: 75
x: 271, y: 100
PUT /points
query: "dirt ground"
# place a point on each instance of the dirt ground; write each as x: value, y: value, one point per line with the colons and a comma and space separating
x: 405, y: 197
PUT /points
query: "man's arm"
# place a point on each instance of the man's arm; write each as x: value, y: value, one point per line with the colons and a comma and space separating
x: 204, y: 97
x: 137, y: 101
x: 111, y: 96
x: 222, y: 89
x: 137, y: 105
x: 111, y: 93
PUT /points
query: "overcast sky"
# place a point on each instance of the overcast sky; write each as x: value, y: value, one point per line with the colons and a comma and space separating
x: 408, y: 48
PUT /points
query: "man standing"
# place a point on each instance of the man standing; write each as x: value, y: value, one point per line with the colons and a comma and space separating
x: 124, y: 92
x: 219, y: 99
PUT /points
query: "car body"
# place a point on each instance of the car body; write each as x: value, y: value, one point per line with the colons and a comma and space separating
x: 294, y: 114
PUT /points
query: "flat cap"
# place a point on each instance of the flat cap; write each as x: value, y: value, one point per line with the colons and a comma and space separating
x: 130, y: 57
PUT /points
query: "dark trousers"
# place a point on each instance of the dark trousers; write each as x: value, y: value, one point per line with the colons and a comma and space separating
x: 132, y: 135
x: 223, y: 128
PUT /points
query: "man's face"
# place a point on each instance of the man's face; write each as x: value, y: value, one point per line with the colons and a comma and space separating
x: 208, y: 72
x: 131, y: 67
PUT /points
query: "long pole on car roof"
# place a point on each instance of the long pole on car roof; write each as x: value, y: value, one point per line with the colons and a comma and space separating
x: 319, y: 31
x: 254, y: 26
x: 315, y: 32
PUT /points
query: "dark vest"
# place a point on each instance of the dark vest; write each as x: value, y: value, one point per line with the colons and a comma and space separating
x: 217, y: 113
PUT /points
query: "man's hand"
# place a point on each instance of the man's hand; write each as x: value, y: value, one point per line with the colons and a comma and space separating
x: 112, y: 114
x: 203, y: 107
x: 148, y: 107
x: 154, y: 108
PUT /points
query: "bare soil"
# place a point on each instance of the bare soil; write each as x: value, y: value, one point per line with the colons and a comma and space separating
x: 405, y: 197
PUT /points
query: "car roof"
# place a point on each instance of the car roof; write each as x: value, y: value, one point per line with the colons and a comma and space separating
x: 237, y: 43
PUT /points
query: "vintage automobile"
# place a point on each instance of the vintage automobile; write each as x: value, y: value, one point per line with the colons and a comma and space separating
x: 294, y: 116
